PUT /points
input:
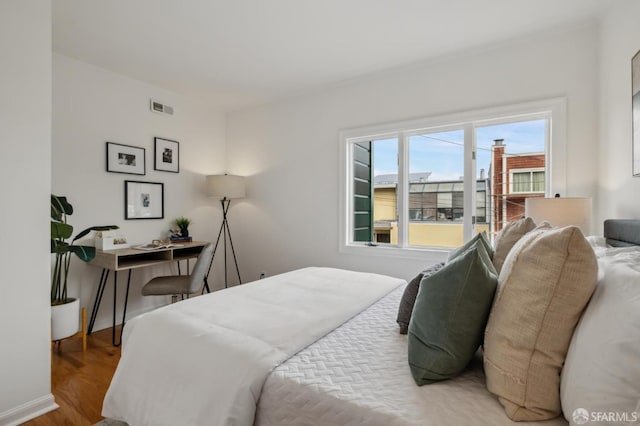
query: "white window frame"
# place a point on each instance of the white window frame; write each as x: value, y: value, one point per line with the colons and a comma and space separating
x: 555, y: 164
x: 525, y: 170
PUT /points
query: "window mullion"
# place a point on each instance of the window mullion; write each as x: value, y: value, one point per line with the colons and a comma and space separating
x: 403, y: 190
x: 469, y: 180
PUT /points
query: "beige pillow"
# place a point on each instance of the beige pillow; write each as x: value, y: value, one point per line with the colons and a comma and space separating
x: 508, y: 237
x: 545, y: 284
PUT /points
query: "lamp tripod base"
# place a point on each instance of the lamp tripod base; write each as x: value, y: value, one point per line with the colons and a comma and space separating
x: 224, y: 233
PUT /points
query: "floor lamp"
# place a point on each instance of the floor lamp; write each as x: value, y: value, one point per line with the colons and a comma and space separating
x: 225, y: 187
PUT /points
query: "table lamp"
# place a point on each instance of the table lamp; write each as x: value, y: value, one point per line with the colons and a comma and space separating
x: 225, y: 187
x: 560, y: 211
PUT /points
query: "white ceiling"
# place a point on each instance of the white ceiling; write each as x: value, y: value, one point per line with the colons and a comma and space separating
x: 238, y: 53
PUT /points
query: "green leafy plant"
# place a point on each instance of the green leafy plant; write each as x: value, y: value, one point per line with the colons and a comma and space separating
x: 61, y: 232
x: 183, y: 222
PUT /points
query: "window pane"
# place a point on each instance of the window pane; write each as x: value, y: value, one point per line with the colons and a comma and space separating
x: 431, y: 187
x: 481, y: 216
x: 385, y: 183
x: 437, y: 158
x: 458, y: 200
x: 383, y: 237
x: 444, y: 215
x: 481, y: 200
x: 481, y: 210
x: 415, y: 200
x: 419, y: 187
x: 429, y: 214
x: 538, y: 182
x: 445, y: 199
x: 415, y: 214
x: 521, y: 182
x: 445, y: 187
x: 502, y: 150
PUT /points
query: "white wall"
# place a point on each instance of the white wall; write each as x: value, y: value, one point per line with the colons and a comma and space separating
x: 92, y: 106
x: 618, y: 191
x: 25, y: 176
x: 290, y: 149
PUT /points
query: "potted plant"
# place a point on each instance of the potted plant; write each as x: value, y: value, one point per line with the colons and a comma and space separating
x: 65, y: 310
x: 183, y: 223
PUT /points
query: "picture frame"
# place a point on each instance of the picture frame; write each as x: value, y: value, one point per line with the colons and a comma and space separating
x: 143, y: 200
x: 635, y: 113
x: 126, y: 159
x: 167, y: 155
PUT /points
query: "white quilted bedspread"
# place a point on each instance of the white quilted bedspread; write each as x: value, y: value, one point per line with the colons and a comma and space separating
x: 204, y: 361
x: 358, y: 375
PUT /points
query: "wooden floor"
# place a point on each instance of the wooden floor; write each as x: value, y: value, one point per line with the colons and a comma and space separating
x: 80, y: 380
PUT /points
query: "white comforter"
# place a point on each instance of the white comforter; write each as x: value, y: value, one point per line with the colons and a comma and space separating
x: 204, y: 361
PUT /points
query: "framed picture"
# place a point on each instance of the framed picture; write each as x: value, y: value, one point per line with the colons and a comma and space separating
x: 635, y: 107
x: 167, y: 154
x: 125, y: 159
x: 143, y: 200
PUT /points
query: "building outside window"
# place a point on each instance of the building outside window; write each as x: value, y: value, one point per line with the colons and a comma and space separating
x: 516, y: 177
x: 411, y: 186
x: 429, y: 204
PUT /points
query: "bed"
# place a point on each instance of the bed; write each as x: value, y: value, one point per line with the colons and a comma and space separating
x: 358, y: 375
x: 344, y: 364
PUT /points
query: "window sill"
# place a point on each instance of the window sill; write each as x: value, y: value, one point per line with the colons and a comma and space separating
x: 426, y: 253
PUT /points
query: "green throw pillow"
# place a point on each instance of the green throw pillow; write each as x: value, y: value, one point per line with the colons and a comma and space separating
x: 450, y: 315
x: 409, y: 297
x: 482, y: 236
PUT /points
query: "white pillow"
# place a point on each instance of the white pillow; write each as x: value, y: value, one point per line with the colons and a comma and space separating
x: 602, y: 370
x: 597, y: 241
x: 616, y: 251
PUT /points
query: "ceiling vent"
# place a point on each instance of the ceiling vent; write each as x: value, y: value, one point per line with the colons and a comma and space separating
x: 161, y: 108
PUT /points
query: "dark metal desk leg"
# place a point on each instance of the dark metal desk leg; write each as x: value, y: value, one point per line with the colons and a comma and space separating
x: 124, y: 313
x: 115, y: 291
x: 96, y: 303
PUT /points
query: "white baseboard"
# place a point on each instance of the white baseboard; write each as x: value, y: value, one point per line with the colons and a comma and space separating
x: 27, y: 411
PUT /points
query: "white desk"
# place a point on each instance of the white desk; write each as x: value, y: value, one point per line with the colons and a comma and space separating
x: 127, y: 260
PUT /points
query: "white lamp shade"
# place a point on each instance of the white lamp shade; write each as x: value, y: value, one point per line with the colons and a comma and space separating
x: 560, y: 211
x: 226, y: 186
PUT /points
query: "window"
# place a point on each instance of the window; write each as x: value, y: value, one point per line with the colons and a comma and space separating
x: 527, y: 181
x: 362, y: 180
x: 408, y: 185
x: 375, y: 180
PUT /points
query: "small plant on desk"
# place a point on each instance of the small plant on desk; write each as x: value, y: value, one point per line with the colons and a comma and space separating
x: 183, y: 223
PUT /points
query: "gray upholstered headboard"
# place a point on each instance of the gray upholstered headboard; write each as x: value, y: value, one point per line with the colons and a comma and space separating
x: 622, y: 232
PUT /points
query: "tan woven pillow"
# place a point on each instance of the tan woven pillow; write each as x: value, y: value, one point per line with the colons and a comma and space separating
x: 508, y: 237
x: 544, y: 286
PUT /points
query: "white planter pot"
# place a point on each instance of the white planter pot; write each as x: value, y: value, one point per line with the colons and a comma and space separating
x: 65, y: 320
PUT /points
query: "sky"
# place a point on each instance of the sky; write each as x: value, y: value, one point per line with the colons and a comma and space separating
x: 441, y: 153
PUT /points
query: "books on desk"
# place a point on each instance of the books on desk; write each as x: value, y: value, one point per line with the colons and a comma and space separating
x: 156, y: 246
